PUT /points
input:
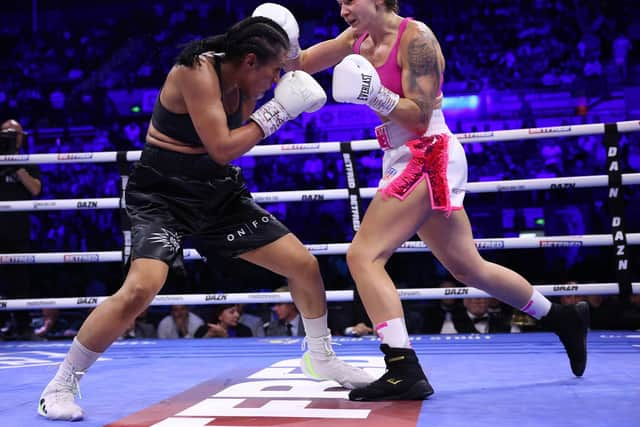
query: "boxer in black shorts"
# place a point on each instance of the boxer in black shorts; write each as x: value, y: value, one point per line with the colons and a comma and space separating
x: 184, y: 185
x: 173, y: 195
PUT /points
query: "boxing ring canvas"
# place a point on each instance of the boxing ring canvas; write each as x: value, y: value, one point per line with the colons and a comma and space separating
x: 480, y: 380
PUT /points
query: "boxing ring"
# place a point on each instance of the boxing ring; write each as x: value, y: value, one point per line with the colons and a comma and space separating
x: 480, y: 380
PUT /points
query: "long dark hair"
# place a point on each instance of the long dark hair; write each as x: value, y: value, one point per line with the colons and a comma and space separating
x: 258, y: 35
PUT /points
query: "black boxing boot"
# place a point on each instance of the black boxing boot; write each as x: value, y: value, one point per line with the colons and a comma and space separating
x: 571, y: 324
x: 404, y: 379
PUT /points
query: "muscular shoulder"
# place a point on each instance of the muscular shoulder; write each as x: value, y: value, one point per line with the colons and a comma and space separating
x: 201, y: 74
x: 198, y: 83
x: 418, y: 28
x: 420, y: 49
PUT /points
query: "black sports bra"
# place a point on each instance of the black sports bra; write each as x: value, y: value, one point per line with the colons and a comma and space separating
x: 180, y: 126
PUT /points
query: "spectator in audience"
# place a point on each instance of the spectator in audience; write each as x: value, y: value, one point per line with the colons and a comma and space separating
x: 57, y: 115
x: 224, y: 323
x: 621, y: 47
x: 438, y: 315
x: 140, y: 328
x: 19, y: 182
x: 133, y: 134
x: 251, y: 321
x: 358, y: 330
x: 632, y: 154
x: 570, y: 299
x: 359, y: 324
x: 502, y: 314
x: 287, y: 321
x: 181, y: 323
x: 526, y: 112
x: 475, y: 318
x: 51, y: 326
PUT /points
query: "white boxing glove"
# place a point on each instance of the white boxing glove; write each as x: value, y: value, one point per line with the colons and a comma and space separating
x: 296, y: 92
x: 356, y: 80
x: 283, y: 17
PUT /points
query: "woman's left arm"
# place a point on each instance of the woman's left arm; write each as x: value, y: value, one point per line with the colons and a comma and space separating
x: 422, y: 66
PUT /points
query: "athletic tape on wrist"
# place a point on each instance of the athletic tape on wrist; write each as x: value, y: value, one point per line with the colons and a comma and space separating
x: 385, y: 102
x: 270, y: 117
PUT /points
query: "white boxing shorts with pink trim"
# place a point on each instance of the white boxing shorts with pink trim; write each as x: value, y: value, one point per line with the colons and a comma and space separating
x: 437, y: 157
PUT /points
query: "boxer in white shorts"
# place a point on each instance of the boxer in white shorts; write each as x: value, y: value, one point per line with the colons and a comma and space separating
x: 395, y: 66
x: 445, y: 170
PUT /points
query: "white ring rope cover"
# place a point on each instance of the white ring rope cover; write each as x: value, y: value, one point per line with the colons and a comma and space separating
x: 334, y: 147
x: 496, y: 243
x: 285, y: 297
x: 591, y: 181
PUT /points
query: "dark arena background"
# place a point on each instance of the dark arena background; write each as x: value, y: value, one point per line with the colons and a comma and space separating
x: 543, y: 95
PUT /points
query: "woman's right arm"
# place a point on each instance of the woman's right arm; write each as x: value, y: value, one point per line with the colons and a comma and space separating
x: 325, y: 54
x: 316, y: 58
x: 200, y: 90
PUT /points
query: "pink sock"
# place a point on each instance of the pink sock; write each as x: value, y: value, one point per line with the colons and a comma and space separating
x: 538, y: 305
x: 394, y: 333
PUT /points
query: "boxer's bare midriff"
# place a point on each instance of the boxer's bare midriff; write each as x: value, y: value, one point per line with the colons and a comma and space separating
x: 159, y: 139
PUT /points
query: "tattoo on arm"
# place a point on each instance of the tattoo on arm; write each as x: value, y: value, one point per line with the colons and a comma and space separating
x: 423, y: 61
x: 424, y: 107
x: 423, y: 57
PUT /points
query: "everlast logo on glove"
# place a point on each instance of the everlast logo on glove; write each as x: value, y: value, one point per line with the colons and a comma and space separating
x: 355, y: 69
x: 365, y: 88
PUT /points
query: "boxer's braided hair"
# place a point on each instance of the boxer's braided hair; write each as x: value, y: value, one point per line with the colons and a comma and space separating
x: 258, y: 35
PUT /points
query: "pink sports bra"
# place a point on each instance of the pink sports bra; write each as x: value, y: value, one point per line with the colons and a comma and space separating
x: 390, y: 72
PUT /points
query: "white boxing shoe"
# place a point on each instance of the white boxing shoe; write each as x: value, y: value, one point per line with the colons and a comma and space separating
x: 57, y: 401
x: 320, y: 362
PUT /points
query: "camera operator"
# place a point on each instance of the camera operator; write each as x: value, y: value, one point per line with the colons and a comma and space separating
x: 20, y: 182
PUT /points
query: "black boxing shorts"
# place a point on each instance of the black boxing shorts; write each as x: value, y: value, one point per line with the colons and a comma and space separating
x: 172, y: 195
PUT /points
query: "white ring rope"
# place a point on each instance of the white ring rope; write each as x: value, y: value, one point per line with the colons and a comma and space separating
x: 591, y: 181
x: 497, y: 243
x: 334, y: 147
x: 92, y: 157
x: 336, y: 194
x: 285, y: 297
